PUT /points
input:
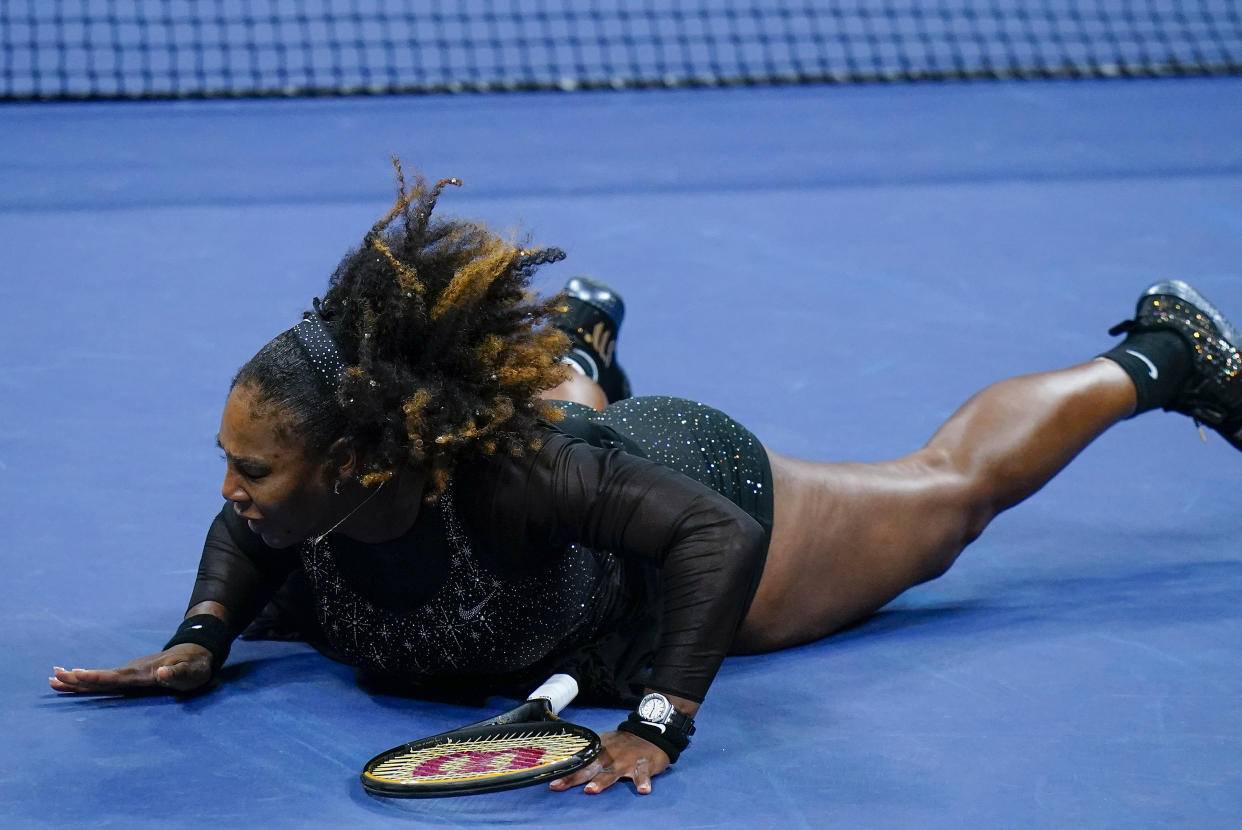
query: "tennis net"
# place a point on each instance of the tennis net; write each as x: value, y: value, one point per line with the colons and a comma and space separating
x: 60, y: 49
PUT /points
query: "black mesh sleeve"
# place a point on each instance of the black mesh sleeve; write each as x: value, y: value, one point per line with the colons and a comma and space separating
x: 710, y: 552
x: 238, y: 570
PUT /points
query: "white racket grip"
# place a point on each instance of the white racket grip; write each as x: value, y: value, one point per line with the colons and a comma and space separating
x: 558, y: 690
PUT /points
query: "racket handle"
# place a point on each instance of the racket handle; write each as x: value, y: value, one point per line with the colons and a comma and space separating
x: 558, y: 690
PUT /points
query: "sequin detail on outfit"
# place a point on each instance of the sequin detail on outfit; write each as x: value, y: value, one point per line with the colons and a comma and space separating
x: 474, y: 622
x: 697, y: 441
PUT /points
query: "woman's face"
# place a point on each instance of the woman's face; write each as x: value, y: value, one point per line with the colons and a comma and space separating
x: 284, y: 495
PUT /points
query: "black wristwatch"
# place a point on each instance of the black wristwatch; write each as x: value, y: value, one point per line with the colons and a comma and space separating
x: 655, y: 720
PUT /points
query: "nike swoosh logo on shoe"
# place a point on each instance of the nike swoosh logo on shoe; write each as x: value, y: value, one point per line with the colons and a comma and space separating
x: 1151, y: 367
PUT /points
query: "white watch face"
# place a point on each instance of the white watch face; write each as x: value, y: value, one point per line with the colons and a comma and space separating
x: 654, y: 708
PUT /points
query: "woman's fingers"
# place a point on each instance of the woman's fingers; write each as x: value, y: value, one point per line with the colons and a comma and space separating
x: 85, y: 681
x: 642, y: 775
x: 180, y: 668
x: 602, y: 780
x: 601, y: 762
x: 624, y: 756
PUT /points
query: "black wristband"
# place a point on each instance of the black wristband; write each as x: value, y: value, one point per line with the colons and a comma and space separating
x: 672, y: 741
x: 208, y: 631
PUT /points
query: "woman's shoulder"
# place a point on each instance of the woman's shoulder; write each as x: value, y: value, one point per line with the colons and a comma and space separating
x: 490, y: 477
x: 507, y: 504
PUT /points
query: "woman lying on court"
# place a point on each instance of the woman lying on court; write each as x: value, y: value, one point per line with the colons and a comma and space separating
x: 396, y: 454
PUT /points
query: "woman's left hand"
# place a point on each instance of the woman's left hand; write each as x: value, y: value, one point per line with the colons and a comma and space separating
x: 624, y: 756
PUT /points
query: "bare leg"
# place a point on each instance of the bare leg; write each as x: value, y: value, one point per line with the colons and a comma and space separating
x: 579, y: 389
x: 848, y: 538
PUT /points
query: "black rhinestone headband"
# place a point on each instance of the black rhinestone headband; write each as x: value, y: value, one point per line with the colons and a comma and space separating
x: 321, y: 350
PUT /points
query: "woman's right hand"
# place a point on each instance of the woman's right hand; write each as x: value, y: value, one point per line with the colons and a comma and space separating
x: 182, y: 668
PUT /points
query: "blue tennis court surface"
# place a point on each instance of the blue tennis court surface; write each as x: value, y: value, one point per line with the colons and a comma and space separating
x: 838, y: 268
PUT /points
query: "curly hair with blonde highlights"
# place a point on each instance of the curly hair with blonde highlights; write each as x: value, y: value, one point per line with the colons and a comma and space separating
x: 446, y: 346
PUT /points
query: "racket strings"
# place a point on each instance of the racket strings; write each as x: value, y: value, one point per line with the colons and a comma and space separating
x: 480, y: 757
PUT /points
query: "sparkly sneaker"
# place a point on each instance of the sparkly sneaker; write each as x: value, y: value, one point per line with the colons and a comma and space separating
x: 592, y: 321
x: 1213, y: 393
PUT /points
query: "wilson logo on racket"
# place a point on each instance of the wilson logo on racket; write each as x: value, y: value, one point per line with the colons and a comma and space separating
x: 480, y: 762
x: 523, y: 746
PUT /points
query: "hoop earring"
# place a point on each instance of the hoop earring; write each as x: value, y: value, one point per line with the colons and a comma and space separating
x: 337, y: 487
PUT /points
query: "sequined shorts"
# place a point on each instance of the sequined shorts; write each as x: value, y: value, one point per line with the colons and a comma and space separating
x: 692, y: 438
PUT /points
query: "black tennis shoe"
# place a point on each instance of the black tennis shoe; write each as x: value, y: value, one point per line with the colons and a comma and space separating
x: 1212, y: 394
x: 592, y: 321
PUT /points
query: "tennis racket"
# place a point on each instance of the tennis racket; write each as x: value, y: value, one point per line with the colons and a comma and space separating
x: 524, y: 746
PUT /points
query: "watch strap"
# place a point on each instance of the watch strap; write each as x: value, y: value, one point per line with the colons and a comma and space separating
x: 680, y: 721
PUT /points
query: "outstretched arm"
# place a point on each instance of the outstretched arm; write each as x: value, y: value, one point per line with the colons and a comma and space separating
x: 237, y: 574
x: 182, y: 668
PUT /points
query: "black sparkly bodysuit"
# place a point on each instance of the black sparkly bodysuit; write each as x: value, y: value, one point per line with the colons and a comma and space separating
x: 451, y: 614
x: 606, y: 556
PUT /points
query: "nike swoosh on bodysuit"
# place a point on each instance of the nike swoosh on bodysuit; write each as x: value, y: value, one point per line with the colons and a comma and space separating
x: 471, y: 613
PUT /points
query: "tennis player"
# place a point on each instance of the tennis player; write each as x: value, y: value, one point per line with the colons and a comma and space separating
x: 401, y: 491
